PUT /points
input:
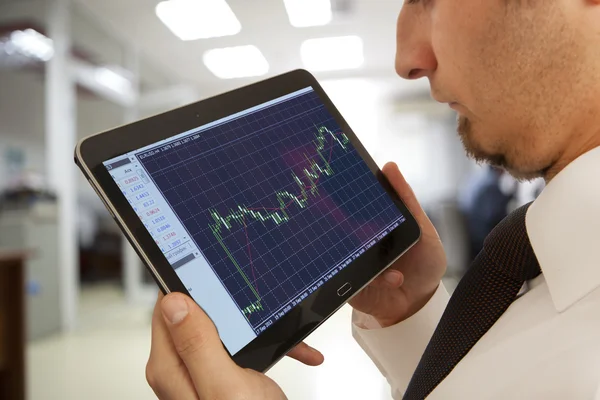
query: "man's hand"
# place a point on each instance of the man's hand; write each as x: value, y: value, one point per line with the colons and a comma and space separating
x: 405, y: 287
x: 188, y: 361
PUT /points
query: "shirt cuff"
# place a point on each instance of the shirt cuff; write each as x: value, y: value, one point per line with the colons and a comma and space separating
x: 397, y: 350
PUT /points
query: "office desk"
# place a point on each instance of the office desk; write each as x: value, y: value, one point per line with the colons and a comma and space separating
x: 12, y: 325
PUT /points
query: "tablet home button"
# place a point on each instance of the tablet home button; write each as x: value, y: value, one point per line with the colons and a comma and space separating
x: 344, y: 289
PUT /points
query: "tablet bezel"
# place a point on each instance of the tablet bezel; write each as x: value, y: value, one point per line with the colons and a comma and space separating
x: 270, y: 346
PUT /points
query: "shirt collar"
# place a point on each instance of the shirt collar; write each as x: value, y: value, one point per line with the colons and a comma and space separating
x: 563, y: 225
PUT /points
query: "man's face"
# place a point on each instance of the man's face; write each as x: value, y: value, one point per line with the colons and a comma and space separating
x: 514, y: 70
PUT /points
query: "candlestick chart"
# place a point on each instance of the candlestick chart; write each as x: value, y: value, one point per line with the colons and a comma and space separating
x: 275, y: 199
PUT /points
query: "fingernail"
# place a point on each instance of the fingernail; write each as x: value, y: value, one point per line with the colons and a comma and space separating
x: 174, y: 308
x: 391, y: 278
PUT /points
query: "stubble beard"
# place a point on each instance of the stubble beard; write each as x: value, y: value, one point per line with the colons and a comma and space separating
x: 475, y: 152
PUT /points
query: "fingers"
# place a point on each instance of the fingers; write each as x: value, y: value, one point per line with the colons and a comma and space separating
x: 165, y: 372
x: 306, y: 355
x: 403, y: 189
x: 162, y: 347
x: 196, y: 342
x: 391, y: 278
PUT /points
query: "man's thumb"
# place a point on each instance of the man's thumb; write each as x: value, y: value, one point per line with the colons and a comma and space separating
x: 396, y: 179
x: 194, y: 336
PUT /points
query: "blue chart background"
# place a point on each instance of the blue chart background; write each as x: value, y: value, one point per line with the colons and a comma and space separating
x: 246, y: 162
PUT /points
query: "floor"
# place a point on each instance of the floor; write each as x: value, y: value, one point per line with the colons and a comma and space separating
x: 105, y: 358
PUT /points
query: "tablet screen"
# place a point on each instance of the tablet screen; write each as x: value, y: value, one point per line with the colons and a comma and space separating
x: 257, y: 210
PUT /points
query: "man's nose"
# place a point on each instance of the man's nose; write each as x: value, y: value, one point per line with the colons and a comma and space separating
x: 414, y: 54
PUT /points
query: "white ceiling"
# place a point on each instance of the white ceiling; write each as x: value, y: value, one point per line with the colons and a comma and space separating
x: 264, y: 24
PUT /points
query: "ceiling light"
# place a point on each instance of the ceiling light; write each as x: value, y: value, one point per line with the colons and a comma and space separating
x: 113, y: 80
x: 303, y: 13
x: 334, y: 53
x: 106, y: 81
x: 198, y: 19
x: 236, y: 62
x: 30, y: 43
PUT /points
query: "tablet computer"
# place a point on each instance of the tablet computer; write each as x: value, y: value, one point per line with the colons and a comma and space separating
x: 260, y: 203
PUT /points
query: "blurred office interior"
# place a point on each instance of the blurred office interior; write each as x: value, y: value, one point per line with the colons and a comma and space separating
x: 72, y: 68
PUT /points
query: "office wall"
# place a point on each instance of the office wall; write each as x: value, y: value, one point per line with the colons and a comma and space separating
x: 21, y: 119
x: 359, y: 101
x: 428, y: 152
x: 21, y: 10
x: 33, y: 155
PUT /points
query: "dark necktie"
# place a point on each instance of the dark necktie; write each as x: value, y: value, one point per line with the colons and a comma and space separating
x: 486, y: 291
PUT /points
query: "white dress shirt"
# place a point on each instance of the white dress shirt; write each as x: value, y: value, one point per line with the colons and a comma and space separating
x: 547, y: 344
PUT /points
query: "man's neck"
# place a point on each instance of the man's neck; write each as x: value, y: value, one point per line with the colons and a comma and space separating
x: 576, y: 149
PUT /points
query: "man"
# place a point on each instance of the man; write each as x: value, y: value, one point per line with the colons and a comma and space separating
x: 524, y: 77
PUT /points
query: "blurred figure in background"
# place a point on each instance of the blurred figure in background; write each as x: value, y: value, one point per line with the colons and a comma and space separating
x: 484, y: 202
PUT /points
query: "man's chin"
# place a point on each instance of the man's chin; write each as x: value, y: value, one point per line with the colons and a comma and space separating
x: 499, y: 160
x: 473, y: 149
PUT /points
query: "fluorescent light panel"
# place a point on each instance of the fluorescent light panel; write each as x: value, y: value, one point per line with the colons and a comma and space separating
x: 236, y: 62
x: 113, y: 80
x: 30, y: 43
x: 198, y: 19
x: 305, y: 13
x: 334, y: 53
